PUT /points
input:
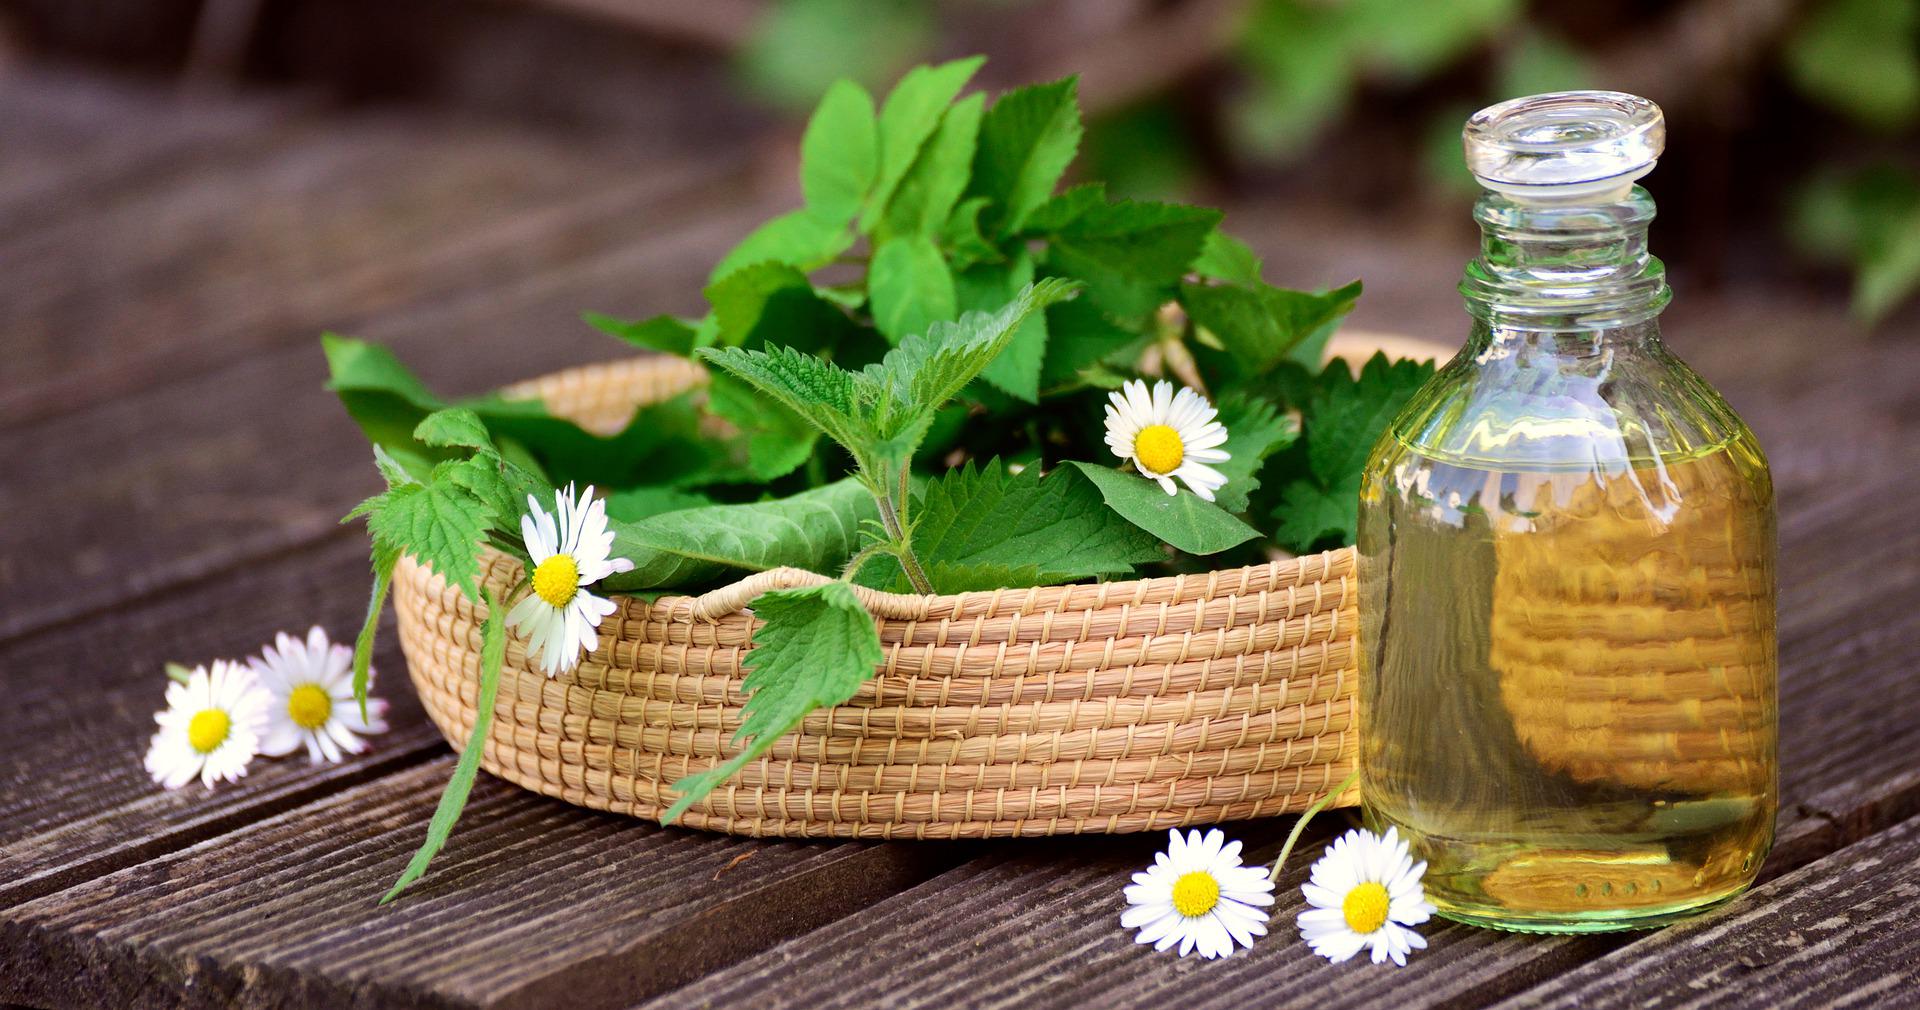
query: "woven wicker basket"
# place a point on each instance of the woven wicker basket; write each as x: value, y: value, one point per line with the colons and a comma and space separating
x: 1123, y: 706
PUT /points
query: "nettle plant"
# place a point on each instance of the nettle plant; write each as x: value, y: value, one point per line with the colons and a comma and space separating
x: 909, y: 385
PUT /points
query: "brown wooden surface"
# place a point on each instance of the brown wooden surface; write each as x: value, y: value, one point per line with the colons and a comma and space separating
x: 165, y: 267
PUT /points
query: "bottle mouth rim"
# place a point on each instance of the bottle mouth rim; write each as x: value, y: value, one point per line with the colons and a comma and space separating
x: 1564, y: 143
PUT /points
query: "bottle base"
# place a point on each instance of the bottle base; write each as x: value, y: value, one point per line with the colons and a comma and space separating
x: 1609, y: 920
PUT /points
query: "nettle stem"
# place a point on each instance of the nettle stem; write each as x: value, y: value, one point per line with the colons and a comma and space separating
x: 893, y: 518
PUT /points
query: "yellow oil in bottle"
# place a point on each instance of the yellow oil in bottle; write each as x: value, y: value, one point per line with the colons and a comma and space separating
x: 1568, y: 680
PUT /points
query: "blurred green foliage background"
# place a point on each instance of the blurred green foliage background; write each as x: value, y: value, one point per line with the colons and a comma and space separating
x: 1793, y: 159
x: 1286, y: 82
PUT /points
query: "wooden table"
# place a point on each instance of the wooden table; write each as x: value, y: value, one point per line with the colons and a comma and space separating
x: 174, y: 473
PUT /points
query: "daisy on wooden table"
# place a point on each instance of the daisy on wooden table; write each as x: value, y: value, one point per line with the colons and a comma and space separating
x: 1365, y: 892
x: 310, y: 685
x: 570, y: 551
x: 1196, y: 894
x: 1168, y: 435
x: 211, y: 727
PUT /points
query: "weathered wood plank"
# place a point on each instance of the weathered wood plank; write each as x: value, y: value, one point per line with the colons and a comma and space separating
x: 77, y: 802
x: 1046, y: 916
x: 313, y: 226
x: 533, y: 903
x: 72, y: 138
x: 1037, y: 924
x: 1838, y: 932
x: 184, y: 480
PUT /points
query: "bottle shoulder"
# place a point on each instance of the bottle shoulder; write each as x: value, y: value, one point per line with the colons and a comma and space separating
x: 1529, y: 404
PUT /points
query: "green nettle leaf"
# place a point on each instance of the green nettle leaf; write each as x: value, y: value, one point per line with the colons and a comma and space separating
x: 798, y: 239
x: 1131, y: 254
x: 1037, y: 530
x: 1225, y: 258
x: 817, y: 530
x: 910, y: 115
x: 636, y: 503
x: 660, y: 333
x: 458, y: 427
x: 384, y: 559
x: 1148, y: 240
x: 961, y: 235
x: 778, y: 440
x: 927, y: 193
x: 909, y: 286
x: 814, y: 648
x: 439, y: 517
x: 1310, y: 514
x: 819, y: 391
x: 927, y: 370
x: 1183, y: 520
x: 440, y: 523
x: 1028, y: 139
x: 493, y: 650
x: 840, y: 153
x: 1347, y: 414
x: 1261, y: 325
x: 662, y: 441
x: 1345, y: 417
x: 774, y: 303
x: 1063, y: 209
x: 1080, y: 337
x: 380, y: 393
x: 882, y: 413
x: 1256, y: 429
x: 1016, y: 370
x: 442, y: 520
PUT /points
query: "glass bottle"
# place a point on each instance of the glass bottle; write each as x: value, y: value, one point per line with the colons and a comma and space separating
x: 1567, y: 691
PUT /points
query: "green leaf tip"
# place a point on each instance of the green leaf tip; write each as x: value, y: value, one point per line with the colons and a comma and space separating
x: 493, y: 650
x: 814, y: 648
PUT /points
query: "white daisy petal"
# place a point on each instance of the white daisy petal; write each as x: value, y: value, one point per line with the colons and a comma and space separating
x: 308, y: 702
x: 1194, y: 443
x: 1364, y: 892
x: 211, y: 728
x: 1198, y: 873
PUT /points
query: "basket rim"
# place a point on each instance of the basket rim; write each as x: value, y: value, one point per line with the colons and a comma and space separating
x: 737, y: 596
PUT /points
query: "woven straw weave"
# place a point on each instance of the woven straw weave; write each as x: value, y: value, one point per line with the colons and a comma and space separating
x: 1124, y: 706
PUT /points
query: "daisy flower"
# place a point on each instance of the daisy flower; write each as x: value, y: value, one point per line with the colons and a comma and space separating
x: 309, y: 688
x: 1197, y: 894
x: 1365, y: 892
x: 1168, y: 435
x: 569, y: 551
x: 211, y: 727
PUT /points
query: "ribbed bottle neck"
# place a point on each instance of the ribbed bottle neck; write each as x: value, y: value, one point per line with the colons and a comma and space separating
x: 1565, y: 266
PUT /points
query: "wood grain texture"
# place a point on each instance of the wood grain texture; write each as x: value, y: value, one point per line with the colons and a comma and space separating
x: 1037, y: 924
x: 532, y: 904
x: 181, y: 480
x: 78, y: 803
x: 297, y: 226
x: 1838, y: 932
x: 72, y: 137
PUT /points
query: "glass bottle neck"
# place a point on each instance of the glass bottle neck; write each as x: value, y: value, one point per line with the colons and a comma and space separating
x: 1566, y: 267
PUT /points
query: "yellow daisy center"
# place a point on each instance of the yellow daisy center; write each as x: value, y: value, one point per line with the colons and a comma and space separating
x: 1365, y: 907
x: 1158, y: 448
x: 1195, y: 894
x: 557, y: 579
x: 208, y: 730
x: 309, y: 706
